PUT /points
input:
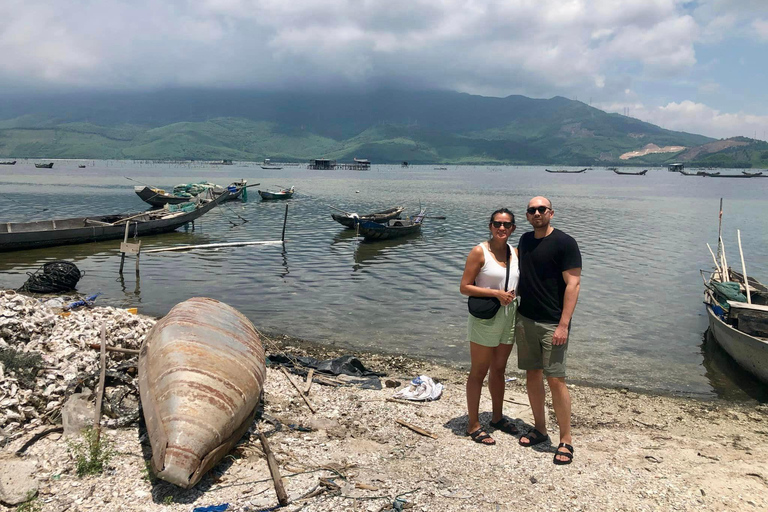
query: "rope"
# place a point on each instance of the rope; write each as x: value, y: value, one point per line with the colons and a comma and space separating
x: 53, y: 277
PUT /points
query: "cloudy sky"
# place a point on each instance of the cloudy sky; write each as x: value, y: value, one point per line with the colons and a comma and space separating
x: 697, y: 66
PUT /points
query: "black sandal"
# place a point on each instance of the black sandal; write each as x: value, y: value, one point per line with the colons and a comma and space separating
x: 480, y: 436
x: 568, y: 456
x: 534, y: 437
x: 505, y: 426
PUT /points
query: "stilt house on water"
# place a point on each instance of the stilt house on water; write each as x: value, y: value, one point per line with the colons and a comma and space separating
x: 677, y: 167
x: 324, y: 164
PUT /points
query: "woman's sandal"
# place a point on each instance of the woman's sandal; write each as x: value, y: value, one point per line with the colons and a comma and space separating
x: 568, y: 456
x: 534, y: 437
x: 481, y: 436
x: 505, y: 426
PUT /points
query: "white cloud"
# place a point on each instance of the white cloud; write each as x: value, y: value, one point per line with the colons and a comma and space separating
x: 761, y: 29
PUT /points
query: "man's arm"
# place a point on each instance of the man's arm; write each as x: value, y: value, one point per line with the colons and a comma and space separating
x: 572, y: 279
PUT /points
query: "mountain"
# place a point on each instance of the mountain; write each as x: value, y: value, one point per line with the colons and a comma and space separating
x: 385, y: 126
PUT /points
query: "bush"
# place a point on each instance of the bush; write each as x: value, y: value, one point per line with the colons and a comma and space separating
x: 92, y: 454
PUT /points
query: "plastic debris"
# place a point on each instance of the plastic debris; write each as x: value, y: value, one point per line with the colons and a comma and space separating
x: 88, y: 301
x: 212, y: 508
x: 421, y: 388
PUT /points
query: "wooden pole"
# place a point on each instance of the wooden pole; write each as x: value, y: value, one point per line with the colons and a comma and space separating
x: 274, y: 470
x: 743, y: 267
x: 212, y: 246
x: 125, y: 241
x: 285, y: 221
x: 296, y: 387
x: 719, y: 271
x: 102, y: 377
x: 308, y: 384
x: 416, y: 429
x: 720, y: 229
x: 723, y: 261
x: 131, y: 351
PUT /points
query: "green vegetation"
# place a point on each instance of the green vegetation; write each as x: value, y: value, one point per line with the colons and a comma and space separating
x: 31, y: 504
x: 91, y: 453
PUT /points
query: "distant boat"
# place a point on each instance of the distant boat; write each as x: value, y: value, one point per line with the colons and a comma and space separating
x: 404, y: 164
x: 394, y: 228
x: 348, y: 220
x: 752, y: 174
x: 626, y: 173
x: 81, y: 166
x: 285, y: 193
x: 563, y: 171
x: 266, y: 164
x: 611, y: 168
x: 441, y: 168
x: 8, y: 163
x: 718, y: 175
x: 225, y: 162
x: 45, y: 166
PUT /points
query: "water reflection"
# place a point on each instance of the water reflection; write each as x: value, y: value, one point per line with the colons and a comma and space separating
x: 381, y: 250
x: 729, y: 380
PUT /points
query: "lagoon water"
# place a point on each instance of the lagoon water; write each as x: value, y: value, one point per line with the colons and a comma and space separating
x: 640, y: 321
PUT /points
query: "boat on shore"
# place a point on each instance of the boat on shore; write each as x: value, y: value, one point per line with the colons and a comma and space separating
x: 627, y: 173
x: 201, y: 375
x: 17, y: 236
x: 348, y: 219
x: 158, y: 197
x: 11, y: 162
x: 394, y: 228
x: 564, y: 171
x: 285, y: 193
x: 49, y: 165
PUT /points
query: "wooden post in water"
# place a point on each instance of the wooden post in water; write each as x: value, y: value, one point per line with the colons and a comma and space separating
x: 125, y: 240
x: 285, y: 221
x: 744, y: 268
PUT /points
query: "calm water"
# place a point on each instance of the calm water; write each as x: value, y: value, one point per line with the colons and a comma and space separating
x: 639, y: 323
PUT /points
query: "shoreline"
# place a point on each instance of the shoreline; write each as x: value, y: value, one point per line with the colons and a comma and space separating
x: 633, y: 451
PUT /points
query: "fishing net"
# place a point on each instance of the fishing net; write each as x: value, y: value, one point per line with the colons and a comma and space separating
x: 183, y: 207
x: 192, y: 189
x: 728, y: 291
x: 53, y: 277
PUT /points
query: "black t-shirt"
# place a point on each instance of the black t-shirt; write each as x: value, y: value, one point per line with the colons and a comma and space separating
x: 542, y: 263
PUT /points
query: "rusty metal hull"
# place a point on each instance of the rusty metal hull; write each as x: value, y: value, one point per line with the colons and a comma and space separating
x: 201, y: 372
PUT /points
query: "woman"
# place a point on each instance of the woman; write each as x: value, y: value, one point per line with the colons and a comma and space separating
x: 491, y: 341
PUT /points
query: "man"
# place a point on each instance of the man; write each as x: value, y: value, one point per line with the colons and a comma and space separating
x: 550, y: 278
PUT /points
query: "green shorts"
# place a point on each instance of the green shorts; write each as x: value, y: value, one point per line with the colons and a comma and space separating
x: 495, y: 331
x: 535, y: 350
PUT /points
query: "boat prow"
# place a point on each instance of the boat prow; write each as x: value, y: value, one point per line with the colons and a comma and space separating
x: 201, y: 373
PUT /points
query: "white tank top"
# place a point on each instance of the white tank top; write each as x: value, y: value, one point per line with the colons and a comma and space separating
x: 493, y: 275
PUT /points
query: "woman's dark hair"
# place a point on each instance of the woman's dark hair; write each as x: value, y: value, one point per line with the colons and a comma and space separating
x: 502, y: 210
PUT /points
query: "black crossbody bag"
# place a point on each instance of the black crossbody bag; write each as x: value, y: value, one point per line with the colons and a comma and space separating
x: 487, y: 307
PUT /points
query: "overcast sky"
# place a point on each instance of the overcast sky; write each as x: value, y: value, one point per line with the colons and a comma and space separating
x: 698, y: 66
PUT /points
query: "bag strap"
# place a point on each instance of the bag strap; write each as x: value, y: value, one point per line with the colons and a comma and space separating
x: 509, y: 260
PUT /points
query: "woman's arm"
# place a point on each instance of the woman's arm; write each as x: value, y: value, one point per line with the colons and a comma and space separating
x: 475, y: 262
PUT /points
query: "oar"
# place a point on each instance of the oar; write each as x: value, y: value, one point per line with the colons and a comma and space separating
x: 338, y: 209
x: 139, y: 182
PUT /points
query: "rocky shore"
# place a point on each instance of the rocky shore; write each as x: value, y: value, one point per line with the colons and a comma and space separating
x: 632, y: 451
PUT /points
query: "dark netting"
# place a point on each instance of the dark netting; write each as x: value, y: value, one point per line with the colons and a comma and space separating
x: 53, y: 277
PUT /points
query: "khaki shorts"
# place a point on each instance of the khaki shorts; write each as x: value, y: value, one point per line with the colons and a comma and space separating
x: 535, y: 350
x: 495, y: 331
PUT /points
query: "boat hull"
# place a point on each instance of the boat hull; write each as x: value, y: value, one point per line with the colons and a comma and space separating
x: 749, y: 352
x: 152, y: 197
x: 379, y: 217
x: 201, y: 373
x: 268, y: 196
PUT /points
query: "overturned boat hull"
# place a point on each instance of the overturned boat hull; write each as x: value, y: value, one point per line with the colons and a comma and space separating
x: 201, y: 372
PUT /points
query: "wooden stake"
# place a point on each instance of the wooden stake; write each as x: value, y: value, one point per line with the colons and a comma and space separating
x: 309, y: 381
x: 115, y: 349
x: 285, y: 221
x: 102, y: 377
x: 744, y: 268
x: 274, y: 470
x: 416, y: 429
x: 306, y: 400
x: 125, y: 241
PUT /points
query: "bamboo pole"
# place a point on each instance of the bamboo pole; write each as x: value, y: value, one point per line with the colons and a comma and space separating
x: 743, y: 267
x: 115, y: 349
x: 102, y: 378
x: 719, y: 271
x: 285, y: 221
x: 723, y: 261
x: 274, y: 470
x: 212, y: 246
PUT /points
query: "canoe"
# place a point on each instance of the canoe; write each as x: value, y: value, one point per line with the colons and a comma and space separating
x: 741, y: 329
x: 201, y: 374
x: 394, y: 228
x: 15, y: 236
x: 159, y: 197
x: 45, y: 166
x: 12, y: 162
x: 348, y: 220
x: 285, y: 193
x: 563, y: 171
x: 626, y: 173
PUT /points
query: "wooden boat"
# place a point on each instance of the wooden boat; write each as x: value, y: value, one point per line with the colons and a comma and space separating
x: 12, y: 162
x: 626, y: 173
x: 752, y: 174
x: 348, y: 220
x: 15, y: 236
x: 563, y: 171
x: 718, y: 175
x: 705, y: 173
x: 285, y: 193
x: 201, y: 374
x: 159, y: 197
x: 49, y: 165
x: 81, y: 166
x: 266, y: 164
x: 685, y: 173
x: 394, y: 228
x: 740, y: 328
x: 441, y: 168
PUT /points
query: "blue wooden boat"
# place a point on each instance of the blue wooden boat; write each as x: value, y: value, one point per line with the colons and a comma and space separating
x: 394, y: 228
x: 285, y: 193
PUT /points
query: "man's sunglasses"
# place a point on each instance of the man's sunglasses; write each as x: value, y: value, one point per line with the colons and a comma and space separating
x: 498, y: 224
x: 541, y: 209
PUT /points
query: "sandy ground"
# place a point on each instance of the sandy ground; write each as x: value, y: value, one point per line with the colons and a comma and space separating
x: 632, y: 452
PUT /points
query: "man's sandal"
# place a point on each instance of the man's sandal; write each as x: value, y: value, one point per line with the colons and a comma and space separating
x: 481, y: 436
x: 534, y: 437
x: 568, y: 456
x: 505, y: 426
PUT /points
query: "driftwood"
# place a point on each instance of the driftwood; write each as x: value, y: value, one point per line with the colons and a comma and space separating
x: 115, y: 349
x: 274, y: 470
x: 416, y: 429
x: 306, y: 400
x: 102, y: 377
x: 309, y: 381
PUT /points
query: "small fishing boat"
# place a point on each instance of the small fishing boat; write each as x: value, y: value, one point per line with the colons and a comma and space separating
x: 627, y: 173
x: 12, y: 162
x: 16, y: 236
x: 201, y: 374
x: 49, y: 165
x: 718, y: 175
x: 394, y: 228
x: 285, y: 193
x: 564, y: 171
x: 159, y: 197
x: 612, y: 168
x: 267, y: 164
x: 752, y: 174
x: 441, y: 168
x: 709, y: 174
x: 81, y: 166
x: 348, y: 219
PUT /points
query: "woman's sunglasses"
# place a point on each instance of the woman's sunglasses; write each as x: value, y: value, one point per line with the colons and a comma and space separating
x: 541, y: 209
x: 498, y: 224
